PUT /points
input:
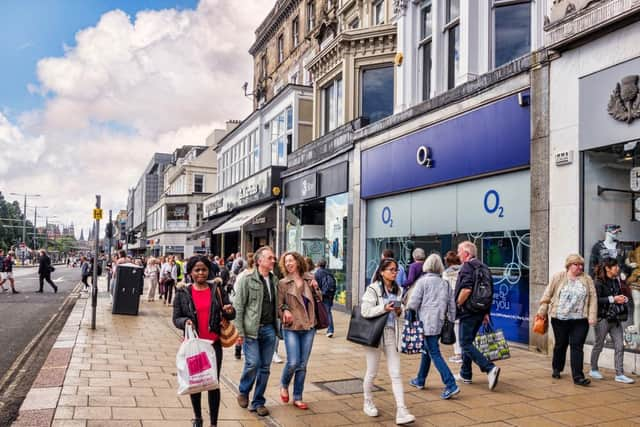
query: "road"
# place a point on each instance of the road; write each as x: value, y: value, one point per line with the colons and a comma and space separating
x: 24, y: 315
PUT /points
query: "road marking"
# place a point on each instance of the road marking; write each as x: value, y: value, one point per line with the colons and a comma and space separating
x: 59, y: 279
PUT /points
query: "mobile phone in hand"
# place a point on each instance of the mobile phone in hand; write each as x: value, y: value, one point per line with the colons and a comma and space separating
x: 396, y: 304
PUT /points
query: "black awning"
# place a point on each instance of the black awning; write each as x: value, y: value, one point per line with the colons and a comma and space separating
x: 204, y: 230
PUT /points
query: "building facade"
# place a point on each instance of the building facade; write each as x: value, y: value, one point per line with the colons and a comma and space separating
x: 594, y: 134
x: 190, y: 178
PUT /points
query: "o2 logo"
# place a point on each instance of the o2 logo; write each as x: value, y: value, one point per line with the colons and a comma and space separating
x: 386, y: 216
x: 492, y: 203
x: 423, y: 157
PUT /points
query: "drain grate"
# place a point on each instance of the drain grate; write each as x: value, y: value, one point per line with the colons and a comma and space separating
x: 346, y: 386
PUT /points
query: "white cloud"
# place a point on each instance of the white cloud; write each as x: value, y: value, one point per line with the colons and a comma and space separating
x: 129, y: 87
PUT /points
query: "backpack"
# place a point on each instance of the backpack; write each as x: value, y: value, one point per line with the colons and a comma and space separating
x: 328, y: 285
x: 481, y: 297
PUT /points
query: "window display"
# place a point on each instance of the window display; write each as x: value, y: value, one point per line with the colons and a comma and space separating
x: 610, y: 224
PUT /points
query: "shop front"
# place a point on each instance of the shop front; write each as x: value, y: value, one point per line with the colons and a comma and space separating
x: 250, y: 211
x: 316, y: 219
x: 466, y: 178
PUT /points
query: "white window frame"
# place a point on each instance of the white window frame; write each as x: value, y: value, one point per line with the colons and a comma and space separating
x: 280, y: 48
x: 311, y: 15
x: 451, y: 24
x: 423, y: 41
x: 332, y: 91
x: 295, y: 31
x: 496, y: 4
x: 379, y: 13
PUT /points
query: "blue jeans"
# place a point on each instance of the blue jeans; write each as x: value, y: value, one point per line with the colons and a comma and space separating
x: 257, y: 363
x: 298, y: 344
x: 329, y: 304
x: 469, y: 327
x: 432, y: 352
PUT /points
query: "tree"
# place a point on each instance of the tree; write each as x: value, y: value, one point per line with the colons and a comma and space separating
x: 11, y: 222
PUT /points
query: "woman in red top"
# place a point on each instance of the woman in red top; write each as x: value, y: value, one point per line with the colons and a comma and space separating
x: 203, y: 304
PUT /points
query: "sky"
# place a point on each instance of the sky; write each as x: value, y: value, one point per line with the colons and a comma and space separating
x: 90, y: 89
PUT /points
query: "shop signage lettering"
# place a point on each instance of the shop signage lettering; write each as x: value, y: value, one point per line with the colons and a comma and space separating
x: 259, y: 220
x: 634, y: 176
x: 386, y: 216
x: 564, y: 158
x: 492, y: 203
x: 423, y: 156
x: 215, y: 205
x: 308, y: 187
x: 249, y: 190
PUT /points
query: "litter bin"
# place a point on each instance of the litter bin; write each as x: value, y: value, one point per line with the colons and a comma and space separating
x: 127, y: 289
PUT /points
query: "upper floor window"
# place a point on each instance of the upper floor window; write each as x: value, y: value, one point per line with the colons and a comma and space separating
x: 281, y: 128
x: 425, y: 49
x: 377, y: 93
x: 239, y: 161
x: 452, y: 37
x: 263, y: 66
x: 378, y: 12
x: 198, y: 183
x: 332, y: 103
x: 311, y: 15
x: 512, y: 30
x: 295, y: 32
x: 355, y: 23
x: 280, y: 48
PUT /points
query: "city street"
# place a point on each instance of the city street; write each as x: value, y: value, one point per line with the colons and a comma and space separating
x: 24, y: 317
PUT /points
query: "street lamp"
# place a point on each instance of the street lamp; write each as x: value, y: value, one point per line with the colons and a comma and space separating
x: 35, y: 219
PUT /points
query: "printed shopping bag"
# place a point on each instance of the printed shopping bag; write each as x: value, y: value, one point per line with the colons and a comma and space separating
x: 492, y: 343
x: 412, y: 334
x: 196, y: 363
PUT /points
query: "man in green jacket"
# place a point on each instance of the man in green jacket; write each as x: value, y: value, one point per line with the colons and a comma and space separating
x: 255, y: 303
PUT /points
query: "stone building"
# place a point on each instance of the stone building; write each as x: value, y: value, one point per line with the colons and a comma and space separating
x: 284, y: 45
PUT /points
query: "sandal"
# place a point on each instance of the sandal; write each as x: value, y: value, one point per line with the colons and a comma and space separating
x: 284, y: 395
x: 300, y: 404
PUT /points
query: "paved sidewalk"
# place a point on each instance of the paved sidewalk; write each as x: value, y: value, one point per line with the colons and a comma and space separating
x: 123, y: 374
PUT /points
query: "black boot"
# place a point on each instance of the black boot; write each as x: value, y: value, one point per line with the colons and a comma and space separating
x: 197, y: 422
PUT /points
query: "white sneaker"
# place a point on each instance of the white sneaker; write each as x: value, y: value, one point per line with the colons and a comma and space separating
x: 369, y: 408
x: 329, y: 334
x: 404, y: 417
x: 455, y: 359
x: 493, y: 377
x: 277, y: 358
x: 596, y: 375
x: 624, y: 379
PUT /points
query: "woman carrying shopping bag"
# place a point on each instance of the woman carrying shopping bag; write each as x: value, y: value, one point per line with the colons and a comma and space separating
x: 297, y: 296
x: 203, y: 305
x: 434, y: 301
x: 383, y: 296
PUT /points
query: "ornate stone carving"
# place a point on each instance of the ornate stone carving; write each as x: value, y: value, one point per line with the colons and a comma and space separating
x: 624, y: 103
x: 562, y: 8
x: 400, y: 6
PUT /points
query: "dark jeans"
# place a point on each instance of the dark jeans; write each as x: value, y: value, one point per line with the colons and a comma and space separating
x: 329, y: 305
x: 212, y: 395
x: 257, y: 364
x: 569, y: 333
x: 432, y: 352
x: 469, y: 327
x: 46, y: 277
x: 169, y: 290
x: 84, y: 280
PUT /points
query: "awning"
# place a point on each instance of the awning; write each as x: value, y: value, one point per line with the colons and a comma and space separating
x: 235, y: 223
x: 204, y: 229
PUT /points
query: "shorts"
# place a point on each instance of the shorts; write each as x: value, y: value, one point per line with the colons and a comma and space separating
x: 7, y: 275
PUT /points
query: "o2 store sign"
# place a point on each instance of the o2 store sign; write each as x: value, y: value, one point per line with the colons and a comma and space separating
x: 423, y: 156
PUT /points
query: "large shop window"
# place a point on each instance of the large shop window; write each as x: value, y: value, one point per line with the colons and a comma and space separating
x: 318, y: 229
x: 512, y: 30
x: 492, y: 212
x: 177, y: 217
x: 281, y: 137
x: 611, y: 195
x: 377, y: 93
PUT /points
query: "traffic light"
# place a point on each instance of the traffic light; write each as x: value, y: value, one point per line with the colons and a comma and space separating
x: 108, y: 231
x: 123, y: 230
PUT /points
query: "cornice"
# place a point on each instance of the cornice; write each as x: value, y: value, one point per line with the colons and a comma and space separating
x: 269, y: 27
x: 360, y: 43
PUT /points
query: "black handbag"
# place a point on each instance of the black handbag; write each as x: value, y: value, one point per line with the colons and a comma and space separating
x: 617, y: 312
x: 366, y: 331
x: 447, y: 334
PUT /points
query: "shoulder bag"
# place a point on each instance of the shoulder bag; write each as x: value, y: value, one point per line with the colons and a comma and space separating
x: 366, y: 331
x: 447, y: 334
x: 228, y: 331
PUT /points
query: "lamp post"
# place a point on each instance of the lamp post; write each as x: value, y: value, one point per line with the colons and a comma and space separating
x: 24, y: 218
x: 35, y: 219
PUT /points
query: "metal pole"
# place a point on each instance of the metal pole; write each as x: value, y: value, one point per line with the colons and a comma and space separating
x: 24, y: 229
x: 109, y: 256
x: 46, y: 233
x: 35, y: 218
x: 94, y: 285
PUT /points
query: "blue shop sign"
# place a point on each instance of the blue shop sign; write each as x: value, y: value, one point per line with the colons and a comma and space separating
x: 489, y: 139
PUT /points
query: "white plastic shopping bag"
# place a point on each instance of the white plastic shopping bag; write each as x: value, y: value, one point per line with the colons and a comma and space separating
x: 196, y: 363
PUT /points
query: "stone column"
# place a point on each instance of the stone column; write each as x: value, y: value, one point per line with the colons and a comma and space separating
x: 540, y: 160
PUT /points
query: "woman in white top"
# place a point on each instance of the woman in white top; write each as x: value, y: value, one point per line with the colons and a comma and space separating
x: 383, y: 296
x: 151, y: 273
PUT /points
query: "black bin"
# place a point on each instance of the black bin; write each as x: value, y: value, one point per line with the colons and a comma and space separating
x: 127, y: 289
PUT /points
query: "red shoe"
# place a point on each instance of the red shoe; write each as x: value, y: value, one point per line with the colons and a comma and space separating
x: 284, y: 396
x: 301, y: 405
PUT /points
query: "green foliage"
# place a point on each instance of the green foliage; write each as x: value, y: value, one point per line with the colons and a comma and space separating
x: 11, y: 236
